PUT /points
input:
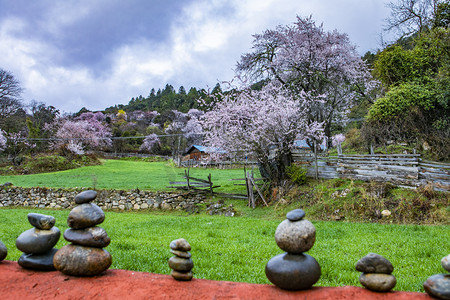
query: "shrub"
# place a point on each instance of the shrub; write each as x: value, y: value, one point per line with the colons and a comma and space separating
x: 297, y: 174
x: 47, y: 163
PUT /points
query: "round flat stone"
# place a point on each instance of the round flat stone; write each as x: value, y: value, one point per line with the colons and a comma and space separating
x: 180, y: 244
x: 85, y: 197
x: 82, y: 261
x: 3, y: 251
x: 43, y: 262
x: 181, y: 276
x: 293, y: 271
x: 41, y: 221
x: 295, y: 215
x: 374, y: 263
x: 38, y: 241
x: 295, y: 237
x: 183, y: 254
x: 85, y: 215
x: 438, y: 286
x: 180, y: 264
x: 91, y: 237
x: 445, y: 262
x: 378, y: 282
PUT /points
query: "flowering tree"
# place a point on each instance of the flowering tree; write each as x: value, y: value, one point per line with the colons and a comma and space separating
x: 86, y: 132
x: 193, y: 130
x: 2, y: 141
x: 337, y: 141
x: 305, y: 58
x: 17, y: 144
x: 258, y: 122
x: 150, y: 142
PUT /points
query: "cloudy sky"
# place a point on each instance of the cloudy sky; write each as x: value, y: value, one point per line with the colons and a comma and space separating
x: 97, y: 53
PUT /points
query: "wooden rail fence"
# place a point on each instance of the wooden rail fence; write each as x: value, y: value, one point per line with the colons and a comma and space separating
x: 403, y: 170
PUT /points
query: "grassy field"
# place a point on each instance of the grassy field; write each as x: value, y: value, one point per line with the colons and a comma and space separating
x: 119, y: 174
x: 237, y: 248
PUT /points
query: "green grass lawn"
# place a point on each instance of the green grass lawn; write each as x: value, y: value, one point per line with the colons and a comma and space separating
x: 237, y: 248
x: 119, y: 174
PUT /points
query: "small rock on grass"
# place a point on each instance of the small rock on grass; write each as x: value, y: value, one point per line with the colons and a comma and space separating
x: 374, y: 263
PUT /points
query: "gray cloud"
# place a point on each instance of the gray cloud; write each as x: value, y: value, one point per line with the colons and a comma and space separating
x: 96, y: 54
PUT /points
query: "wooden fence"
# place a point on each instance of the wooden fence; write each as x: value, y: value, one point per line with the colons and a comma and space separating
x: 404, y: 170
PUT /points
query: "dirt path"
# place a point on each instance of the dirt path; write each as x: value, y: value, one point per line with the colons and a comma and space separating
x: 18, y: 283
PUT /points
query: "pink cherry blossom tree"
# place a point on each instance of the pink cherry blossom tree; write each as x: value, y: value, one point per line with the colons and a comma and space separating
x: 193, y: 130
x: 16, y: 144
x: 150, y: 142
x: 263, y: 122
x: 2, y: 141
x: 86, y: 132
x: 305, y: 58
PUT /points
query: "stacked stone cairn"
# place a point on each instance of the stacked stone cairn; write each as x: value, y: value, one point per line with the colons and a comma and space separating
x: 37, y: 243
x: 85, y: 256
x: 294, y: 270
x: 376, y: 274
x: 3, y: 251
x: 438, y: 285
x: 181, y: 264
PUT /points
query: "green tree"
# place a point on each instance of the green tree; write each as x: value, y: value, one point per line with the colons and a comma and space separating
x: 416, y: 107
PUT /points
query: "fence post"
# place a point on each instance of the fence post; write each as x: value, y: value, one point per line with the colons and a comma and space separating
x: 315, y: 161
x: 210, y: 183
x: 187, y: 178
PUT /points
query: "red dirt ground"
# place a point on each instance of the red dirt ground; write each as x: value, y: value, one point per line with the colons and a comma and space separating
x: 18, y: 283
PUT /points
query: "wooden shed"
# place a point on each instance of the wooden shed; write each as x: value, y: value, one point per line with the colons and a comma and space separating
x: 196, y: 152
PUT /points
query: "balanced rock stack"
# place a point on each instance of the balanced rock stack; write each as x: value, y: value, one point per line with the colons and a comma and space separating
x: 438, y: 285
x: 294, y: 270
x: 3, y: 251
x: 85, y: 256
x: 181, y: 264
x: 376, y: 274
x: 37, y: 243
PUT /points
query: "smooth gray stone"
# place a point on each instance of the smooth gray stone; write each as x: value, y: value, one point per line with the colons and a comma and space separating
x: 3, y: 251
x: 43, y: 262
x: 181, y: 276
x: 295, y: 215
x: 85, y: 197
x: 180, y: 244
x: 183, y: 254
x: 85, y: 215
x: 293, y: 271
x: 38, y: 241
x: 90, y: 237
x: 41, y: 221
x: 82, y: 261
x: 295, y: 237
x: 438, y: 286
x: 181, y: 264
x: 445, y: 262
x: 378, y: 282
x: 374, y: 263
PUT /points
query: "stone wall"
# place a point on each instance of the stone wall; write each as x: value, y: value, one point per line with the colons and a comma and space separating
x: 11, y: 196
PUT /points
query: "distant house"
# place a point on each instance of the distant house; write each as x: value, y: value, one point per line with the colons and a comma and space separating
x: 302, y: 146
x: 197, y: 152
